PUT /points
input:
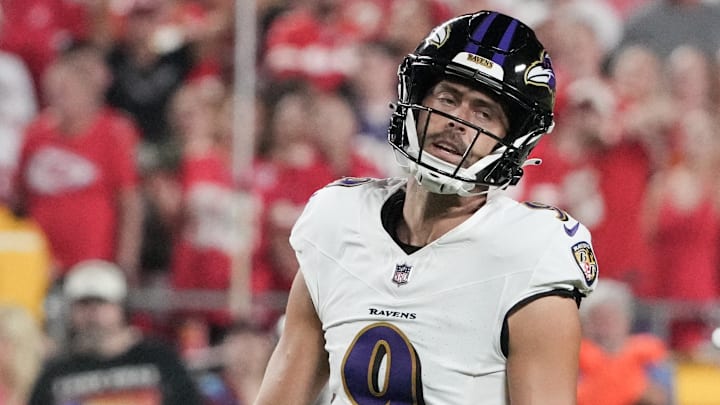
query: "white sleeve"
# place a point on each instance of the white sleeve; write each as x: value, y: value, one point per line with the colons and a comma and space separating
x: 305, y: 251
x: 569, y: 263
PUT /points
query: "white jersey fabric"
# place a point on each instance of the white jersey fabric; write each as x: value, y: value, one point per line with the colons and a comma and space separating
x: 425, y: 328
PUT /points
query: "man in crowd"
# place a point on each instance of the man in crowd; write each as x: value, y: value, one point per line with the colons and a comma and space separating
x: 107, y: 360
x: 76, y: 176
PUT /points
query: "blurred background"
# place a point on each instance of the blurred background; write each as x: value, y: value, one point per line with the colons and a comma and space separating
x: 180, y: 139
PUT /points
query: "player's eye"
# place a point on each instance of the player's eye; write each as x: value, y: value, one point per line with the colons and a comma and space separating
x: 485, y: 115
x: 446, y: 99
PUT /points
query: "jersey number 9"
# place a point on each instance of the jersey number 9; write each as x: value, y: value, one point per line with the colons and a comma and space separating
x: 381, y: 367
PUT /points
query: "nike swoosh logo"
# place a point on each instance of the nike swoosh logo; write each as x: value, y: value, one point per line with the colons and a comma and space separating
x: 572, y: 231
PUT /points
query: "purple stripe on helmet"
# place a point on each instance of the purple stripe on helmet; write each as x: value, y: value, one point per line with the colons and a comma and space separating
x: 505, y: 42
x: 479, y: 33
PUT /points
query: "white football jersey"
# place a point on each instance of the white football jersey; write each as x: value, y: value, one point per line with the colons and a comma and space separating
x: 424, y: 328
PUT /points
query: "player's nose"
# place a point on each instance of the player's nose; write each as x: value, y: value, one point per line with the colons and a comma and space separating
x: 457, y: 128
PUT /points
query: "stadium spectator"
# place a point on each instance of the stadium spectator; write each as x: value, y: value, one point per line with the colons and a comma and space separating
x: 209, y: 26
x: 25, y: 264
x: 372, y: 85
x: 22, y: 352
x: 147, y: 68
x: 690, y: 74
x: 335, y: 132
x: 107, y: 361
x: 242, y: 358
x: 305, y: 154
x: 585, y: 125
x: 207, y: 241
x: 618, y: 367
x: 577, y: 46
x: 77, y: 175
x: 646, y: 111
x: 683, y: 217
x: 580, y: 34
x: 647, y: 117
x: 290, y: 171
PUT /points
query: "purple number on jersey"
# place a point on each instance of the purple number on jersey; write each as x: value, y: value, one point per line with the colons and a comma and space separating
x: 381, y: 367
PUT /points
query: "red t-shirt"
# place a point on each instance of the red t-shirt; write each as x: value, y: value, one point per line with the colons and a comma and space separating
x: 70, y: 184
x: 619, y: 238
x: 686, y: 252
x: 202, y: 254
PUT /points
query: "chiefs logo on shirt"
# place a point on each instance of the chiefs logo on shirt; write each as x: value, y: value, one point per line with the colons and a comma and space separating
x: 54, y: 171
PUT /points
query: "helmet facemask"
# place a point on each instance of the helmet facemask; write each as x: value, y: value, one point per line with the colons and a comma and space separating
x: 499, y: 169
x: 442, y: 176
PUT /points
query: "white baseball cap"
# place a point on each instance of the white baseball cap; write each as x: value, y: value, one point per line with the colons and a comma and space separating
x: 95, y: 279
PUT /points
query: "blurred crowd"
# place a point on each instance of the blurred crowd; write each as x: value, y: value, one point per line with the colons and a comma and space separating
x: 119, y: 142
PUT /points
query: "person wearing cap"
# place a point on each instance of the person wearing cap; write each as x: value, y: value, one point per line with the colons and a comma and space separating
x: 107, y: 360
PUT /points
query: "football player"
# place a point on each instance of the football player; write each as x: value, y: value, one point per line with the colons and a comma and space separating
x: 436, y: 288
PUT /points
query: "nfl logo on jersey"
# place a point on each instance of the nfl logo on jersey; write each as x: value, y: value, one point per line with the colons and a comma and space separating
x: 402, y: 273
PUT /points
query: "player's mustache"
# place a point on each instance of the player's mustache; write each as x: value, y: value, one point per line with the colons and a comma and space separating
x: 449, y: 138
